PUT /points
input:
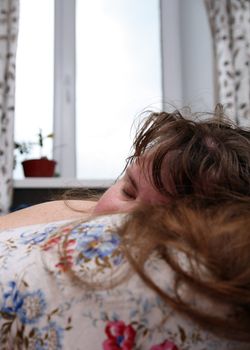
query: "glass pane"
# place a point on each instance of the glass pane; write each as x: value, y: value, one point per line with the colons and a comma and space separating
x: 118, y: 75
x: 34, y: 76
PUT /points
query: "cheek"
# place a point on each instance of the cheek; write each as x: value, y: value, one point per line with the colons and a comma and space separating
x: 112, y: 201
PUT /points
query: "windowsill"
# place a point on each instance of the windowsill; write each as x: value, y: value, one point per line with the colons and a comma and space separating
x: 58, y: 182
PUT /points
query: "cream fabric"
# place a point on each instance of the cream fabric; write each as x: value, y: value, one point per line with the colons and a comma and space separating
x: 43, y: 307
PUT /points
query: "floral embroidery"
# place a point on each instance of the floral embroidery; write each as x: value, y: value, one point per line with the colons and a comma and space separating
x: 91, y: 245
x: 50, y: 243
x: 120, y: 336
x: 35, y: 237
x: 28, y: 307
x: 66, y: 260
x: 47, y: 338
x: 95, y: 245
x: 56, y: 238
x: 33, y: 306
x: 67, y: 245
x: 52, y: 335
x: 19, y: 311
x: 50, y: 311
x: 166, y: 345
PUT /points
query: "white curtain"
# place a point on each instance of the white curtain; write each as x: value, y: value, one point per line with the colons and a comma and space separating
x: 9, y: 15
x: 230, y: 25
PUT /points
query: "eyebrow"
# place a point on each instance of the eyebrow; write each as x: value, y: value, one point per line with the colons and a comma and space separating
x: 131, y: 179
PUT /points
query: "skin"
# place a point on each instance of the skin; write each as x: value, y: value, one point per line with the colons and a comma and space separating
x: 133, y: 188
x: 48, y: 212
x: 125, y: 194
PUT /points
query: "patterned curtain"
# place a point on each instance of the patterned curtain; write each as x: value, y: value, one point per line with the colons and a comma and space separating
x: 9, y: 14
x: 230, y: 25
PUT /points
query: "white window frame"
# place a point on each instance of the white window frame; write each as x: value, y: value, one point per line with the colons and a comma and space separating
x: 176, y: 72
x: 64, y: 150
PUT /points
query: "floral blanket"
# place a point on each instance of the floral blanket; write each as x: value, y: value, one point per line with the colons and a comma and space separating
x: 46, y: 301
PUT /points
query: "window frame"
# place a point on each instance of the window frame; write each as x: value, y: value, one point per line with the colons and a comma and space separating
x: 64, y: 150
x: 177, y: 73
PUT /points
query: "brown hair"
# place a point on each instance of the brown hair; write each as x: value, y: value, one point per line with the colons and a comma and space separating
x: 208, y: 158
x: 206, y: 247
x: 216, y: 244
x: 196, y: 164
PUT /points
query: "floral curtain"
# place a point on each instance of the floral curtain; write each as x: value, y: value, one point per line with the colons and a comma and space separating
x: 230, y: 25
x: 9, y: 14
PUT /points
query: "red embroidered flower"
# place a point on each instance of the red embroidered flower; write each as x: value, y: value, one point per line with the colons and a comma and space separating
x: 65, y: 263
x: 51, y: 243
x: 66, y: 260
x: 166, y: 345
x: 119, y: 335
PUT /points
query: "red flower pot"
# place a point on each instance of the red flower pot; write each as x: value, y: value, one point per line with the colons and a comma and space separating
x: 42, y: 167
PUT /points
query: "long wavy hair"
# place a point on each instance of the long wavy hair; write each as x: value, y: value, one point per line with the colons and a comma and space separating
x: 203, y: 166
x: 215, y: 242
x: 207, y: 248
x: 205, y: 155
x: 202, y: 157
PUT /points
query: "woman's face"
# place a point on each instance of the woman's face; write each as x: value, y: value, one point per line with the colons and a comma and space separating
x: 133, y: 188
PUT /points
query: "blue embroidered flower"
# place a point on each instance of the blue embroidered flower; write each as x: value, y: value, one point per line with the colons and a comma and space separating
x: 36, y: 341
x: 35, y: 237
x: 118, y: 259
x: 84, y: 228
x: 32, y: 308
x: 52, y: 335
x: 28, y: 307
x: 97, y: 243
x: 12, y: 300
x: 47, y: 338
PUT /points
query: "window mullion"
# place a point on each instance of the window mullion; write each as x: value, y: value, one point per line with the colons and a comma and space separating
x: 172, y: 79
x: 64, y: 150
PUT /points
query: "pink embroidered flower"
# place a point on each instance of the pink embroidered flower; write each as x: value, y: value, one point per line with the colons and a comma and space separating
x: 166, y: 345
x: 119, y: 335
x: 66, y: 260
x: 51, y: 243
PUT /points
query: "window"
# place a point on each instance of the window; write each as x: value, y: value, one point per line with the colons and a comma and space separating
x: 34, y: 74
x: 117, y: 74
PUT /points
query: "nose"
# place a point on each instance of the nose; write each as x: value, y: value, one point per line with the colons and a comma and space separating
x: 110, y: 206
x: 104, y: 206
x: 108, y: 202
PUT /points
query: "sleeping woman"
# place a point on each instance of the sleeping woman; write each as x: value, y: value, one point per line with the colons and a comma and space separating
x: 162, y: 277
x: 173, y: 157
x: 160, y: 262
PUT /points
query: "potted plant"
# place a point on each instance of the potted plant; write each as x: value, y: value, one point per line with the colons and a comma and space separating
x: 39, y: 167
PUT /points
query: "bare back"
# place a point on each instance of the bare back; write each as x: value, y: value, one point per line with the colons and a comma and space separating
x: 48, y: 212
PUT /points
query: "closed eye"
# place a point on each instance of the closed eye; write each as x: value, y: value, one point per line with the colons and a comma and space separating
x: 129, y: 188
x: 128, y: 194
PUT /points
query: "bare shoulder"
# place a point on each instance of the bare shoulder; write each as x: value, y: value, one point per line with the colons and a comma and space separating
x: 48, y: 212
